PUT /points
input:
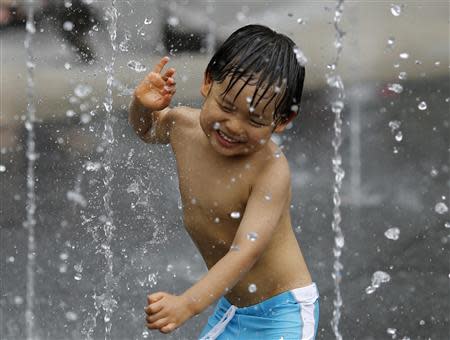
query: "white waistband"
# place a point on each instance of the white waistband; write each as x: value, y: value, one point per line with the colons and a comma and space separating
x: 306, y: 295
x: 220, y: 326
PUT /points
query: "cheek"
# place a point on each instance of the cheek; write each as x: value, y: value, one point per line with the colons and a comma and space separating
x: 259, y: 137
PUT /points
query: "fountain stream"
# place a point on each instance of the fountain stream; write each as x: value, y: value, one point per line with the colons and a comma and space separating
x: 31, y: 156
x: 107, y: 300
x: 337, y: 105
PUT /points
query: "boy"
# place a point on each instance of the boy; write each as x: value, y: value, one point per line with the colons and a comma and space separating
x: 235, y: 188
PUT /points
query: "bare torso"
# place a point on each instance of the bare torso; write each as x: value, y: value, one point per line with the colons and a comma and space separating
x: 212, y: 187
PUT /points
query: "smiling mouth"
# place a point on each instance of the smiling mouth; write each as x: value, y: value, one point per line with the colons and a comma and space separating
x: 227, y: 138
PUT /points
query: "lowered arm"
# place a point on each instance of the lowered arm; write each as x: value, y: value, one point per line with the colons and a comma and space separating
x: 262, y: 214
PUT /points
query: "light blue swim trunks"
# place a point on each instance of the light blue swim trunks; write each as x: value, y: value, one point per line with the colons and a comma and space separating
x: 292, y: 315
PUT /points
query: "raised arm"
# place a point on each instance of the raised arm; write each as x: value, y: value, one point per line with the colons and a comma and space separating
x: 149, y: 114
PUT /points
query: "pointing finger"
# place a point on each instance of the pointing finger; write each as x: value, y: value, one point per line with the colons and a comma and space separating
x: 169, y: 73
x: 158, y: 67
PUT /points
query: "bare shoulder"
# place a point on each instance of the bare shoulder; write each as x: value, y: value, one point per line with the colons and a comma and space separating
x: 274, y: 169
x: 184, y: 116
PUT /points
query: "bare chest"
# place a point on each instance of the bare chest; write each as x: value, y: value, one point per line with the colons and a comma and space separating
x: 214, y: 193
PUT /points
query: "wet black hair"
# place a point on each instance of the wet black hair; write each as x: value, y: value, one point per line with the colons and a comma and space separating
x: 265, y: 58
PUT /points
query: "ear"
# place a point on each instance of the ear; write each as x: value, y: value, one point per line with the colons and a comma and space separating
x: 206, y: 85
x: 282, y: 126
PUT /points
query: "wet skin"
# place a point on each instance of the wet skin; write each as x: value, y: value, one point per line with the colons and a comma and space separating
x: 227, y: 167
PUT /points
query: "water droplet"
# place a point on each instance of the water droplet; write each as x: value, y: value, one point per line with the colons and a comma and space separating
x: 391, y: 41
x: 441, y: 208
x: 148, y: 21
x: 123, y: 46
x: 63, y: 268
x: 249, y: 99
x: 92, y: 166
x: 173, y: 21
x: 433, y: 172
x: 301, y: 58
x: 251, y: 109
x: 77, y: 198
x: 335, y: 81
x: 277, y: 154
x: 380, y: 277
x: 136, y: 66
x: 268, y: 196
x: 337, y: 106
x: 392, y: 233
x: 339, y: 241
x: 235, y: 214
x: 398, y: 136
x: 391, y: 331
x: 216, y: 220
x: 64, y: 256
x: 67, y: 66
x: 30, y: 27
x: 252, y: 288
x: 402, y: 76
x: 78, y: 276
x: 82, y: 91
x: 70, y: 113
x: 397, y: 88
x: 2, y: 168
x: 30, y: 65
x: 216, y: 126
x: 145, y: 334
x: 234, y: 247
x: 78, y: 267
x: 422, y: 322
x: 404, y: 55
x: 169, y: 267
x: 18, y: 300
x: 71, y: 316
x: 68, y: 26
x: 300, y: 21
x: 252, y: 236
x: 85, y: 118
x: 194, y: 200
x: 396, y: 10
x: 277, y: 89
x: 422, y: 106
x: 394, y: 124
x: 447, y: 224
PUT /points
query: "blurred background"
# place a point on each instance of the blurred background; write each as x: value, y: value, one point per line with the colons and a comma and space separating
x: 395, y: 194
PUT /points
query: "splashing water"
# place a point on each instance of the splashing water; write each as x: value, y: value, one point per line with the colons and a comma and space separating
x: 378, y: 278
x: 106, y: 300
x: 392, y: 233
x: 31, y: 155
x: 422, y: 106
x: 337, y: 105
x: 396, y: 10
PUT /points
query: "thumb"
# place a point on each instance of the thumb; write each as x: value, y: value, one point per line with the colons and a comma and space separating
x: 152, y: 298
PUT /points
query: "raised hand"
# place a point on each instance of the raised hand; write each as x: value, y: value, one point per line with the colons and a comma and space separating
x: 156, y: 90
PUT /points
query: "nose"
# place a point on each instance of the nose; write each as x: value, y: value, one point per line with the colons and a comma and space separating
x: 235, y: 128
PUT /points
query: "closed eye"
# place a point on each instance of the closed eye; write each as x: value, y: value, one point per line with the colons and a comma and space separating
x: 257, y: 123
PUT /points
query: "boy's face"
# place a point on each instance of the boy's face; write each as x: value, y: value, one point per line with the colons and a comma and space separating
x: 233, y: 127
